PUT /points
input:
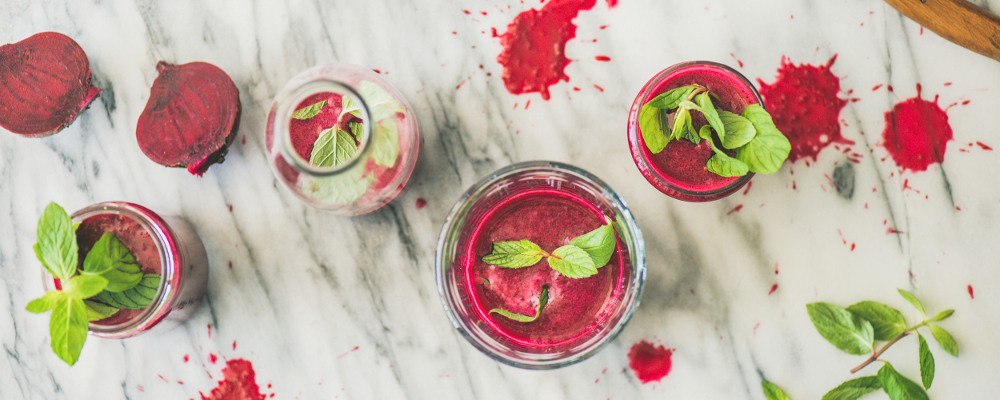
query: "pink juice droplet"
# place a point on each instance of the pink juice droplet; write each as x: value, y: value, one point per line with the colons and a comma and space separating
x: 916, y: 133
x: 650, y: 363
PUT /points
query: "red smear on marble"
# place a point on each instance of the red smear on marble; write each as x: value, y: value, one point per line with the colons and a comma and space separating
x: 947, y: 83
x: 244, y: 140
x: 534, y: 46
x: 209, y: 331
x: 876, y: 87
x: 212, y: 358
x: 186, y: 358
x: 971, y: 295
x: 238, y: 383
x: 349, y: 352
x: 735, y: 209
x: 421, y: 203
x: 234, y: 345
x: 804, y: 104
x: 602, y: 58
x: 612, y: 3
x: 985, y: 147
x: 774, y: 287
x: 889, y: 87
x: 230, y: 208
x: 916, y: 133
x: 164, y: 379
x: 599, y: 88
x: 494, y: 30
x: 466, y: 12
x: 747, y: 190
x: 650, y: 363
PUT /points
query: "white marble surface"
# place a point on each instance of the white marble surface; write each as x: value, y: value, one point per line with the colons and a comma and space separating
x: 305, y: 287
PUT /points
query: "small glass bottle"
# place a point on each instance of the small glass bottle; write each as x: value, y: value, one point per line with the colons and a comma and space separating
x: 387, y: 139
x: 176, y: 254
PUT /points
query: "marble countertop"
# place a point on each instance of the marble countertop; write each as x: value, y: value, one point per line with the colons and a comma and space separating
x: 332, y: 307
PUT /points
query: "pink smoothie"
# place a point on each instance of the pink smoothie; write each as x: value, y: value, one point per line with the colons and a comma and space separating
x: 133, y: 236
x: 682, y: 163
x: 576, y: 307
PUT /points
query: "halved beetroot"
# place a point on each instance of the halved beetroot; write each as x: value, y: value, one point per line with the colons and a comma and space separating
x: 191, y: 117
x: 44, y: 84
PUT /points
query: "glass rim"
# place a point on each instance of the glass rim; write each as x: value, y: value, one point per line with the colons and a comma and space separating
x: 285, y: 110
x: 635, y: 143
x: 166, y: 246
x: 630, y: 296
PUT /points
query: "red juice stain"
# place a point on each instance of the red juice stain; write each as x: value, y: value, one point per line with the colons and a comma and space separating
x: 209, y: 331
x: 774, y: 287
x: 212, y: 358
x: 494, y: 30
x: 234, y: 345
x: 650, y: 363
x: 599, y: 88
x: 612, y: 3
x: 376, y: 71
x: 602, y: 58
x: 876, y: 87
x: 804, y: 104
x: 916, y: 133
x: 985, y: 147
x: 238, y: 383
x: 230, y: 208
x: 421, y: 203
x: 466, y: 12
x: 971, y: 296
x: 186, y: 358
x: 534, y: 46
x: 349, y: 352
x: 735, y: 209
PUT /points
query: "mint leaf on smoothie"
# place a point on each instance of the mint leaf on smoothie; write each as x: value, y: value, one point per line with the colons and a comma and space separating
x: 385, y: 146
x: 739, y: 130
x: 682, y: 127
x: 333, y: 147
x: 723, y: 165
x: 56, y: 247
x: 349, y: 106
x: 515, y: 254
x: 543, y: 299
x: 97, y: 311
x: 671, y: 99
x: 708, y: 110
x: 68, y: 327
x: 309, y: 111
x: 598, y: 243
x: 572, y: 262
x: 769, y: 148
x: 110, y: 259
x: 136, y: 298
x: 652, y: 131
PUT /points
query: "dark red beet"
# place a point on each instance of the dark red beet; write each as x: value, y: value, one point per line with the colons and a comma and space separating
x: 191, y: 117
x: 44, y: 84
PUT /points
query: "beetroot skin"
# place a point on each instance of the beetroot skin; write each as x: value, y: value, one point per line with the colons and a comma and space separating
x: 191, y: 117
x: 44, y: 84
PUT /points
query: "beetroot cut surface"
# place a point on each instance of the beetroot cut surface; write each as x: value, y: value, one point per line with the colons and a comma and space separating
x: 191, y: 117
x: 44, y: 84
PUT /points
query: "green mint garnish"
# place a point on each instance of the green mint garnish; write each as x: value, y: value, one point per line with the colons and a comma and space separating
x: 516, y: 254
x: 349, y: 106
x: 333, y: 147
x: 758, y: 144
x: 381, y: 104
x: 309, y: 111
x: 136, y: 298
x: 109, y: 268
x: 484, y: 280
x: 773, y: 392
x: 542, y: 300
x: 572, y: 262
x: 598, y: 243
x: 855, y: 330
x: 385, y: 147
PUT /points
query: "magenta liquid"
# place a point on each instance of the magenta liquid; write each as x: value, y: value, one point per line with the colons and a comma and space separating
x: 576, y: 307
x: 682, y: 163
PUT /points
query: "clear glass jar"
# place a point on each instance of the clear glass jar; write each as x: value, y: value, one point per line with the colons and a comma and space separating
x: 183, y: 271
x: 672, y: 171
x: 386, y: 149
x: 458, y: 254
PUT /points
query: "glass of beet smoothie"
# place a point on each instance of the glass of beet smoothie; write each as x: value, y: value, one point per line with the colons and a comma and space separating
x: 549, y: 204
x: 341, y: 139
x: 679, y: 170
x: 166, y: 246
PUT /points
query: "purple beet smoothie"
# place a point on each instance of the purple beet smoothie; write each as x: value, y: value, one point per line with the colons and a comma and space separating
x: 133, y: 236
x: 682, y: 163
x: 549, y: 219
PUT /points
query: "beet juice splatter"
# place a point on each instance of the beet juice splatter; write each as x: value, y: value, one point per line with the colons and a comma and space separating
x: 916, y: 133
x: 534, y: 46
x: 238, y: 383
x: 650, y: 363
x: 804, y: 104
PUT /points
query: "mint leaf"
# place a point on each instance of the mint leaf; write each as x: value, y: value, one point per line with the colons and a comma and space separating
x: 682, y: 127
x: 671, y: 99
x: 773, y: 392
x: 708, y: 110
x: 542, y: 300
x: 572, y: 262
x: 886, y: 321
x: 349, y: 106
x: 739, y: 130
x: 111, y: 260
x: 843, y: 329
x: 309, y: 111
x: 385, y: 146
x: 46, y: 302
x: 769, y: 148
x: 897, y: 386
x: 913, y: 300
x: 334, y: 147
x: 136, y: 298
x: 926, y: 362
x: 854, y: 389
x: 342, y: 188
x: 652, y: 131
x: 380, y: 103
x: 84, y: 286
x: 516, y: 254
x: 56, y: 246
x: 705, y: 132
x: 598, y: 243
x: 97, y: 311
x: 943, y: 315
x: 485, y: 281
x: 944, y: 340
x: 68, y: 328
x: 723, y: 165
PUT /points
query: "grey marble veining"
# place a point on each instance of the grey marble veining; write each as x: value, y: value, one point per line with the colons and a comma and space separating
x: 330, y: 307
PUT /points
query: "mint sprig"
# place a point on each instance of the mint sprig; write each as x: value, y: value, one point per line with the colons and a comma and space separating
x: 543, y: 299
x: 515, y: 254
x: 109, y: 267
x: 772, y: 391
x: 309, y: 111
x: 758, y: 145
x: 855, y: 329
